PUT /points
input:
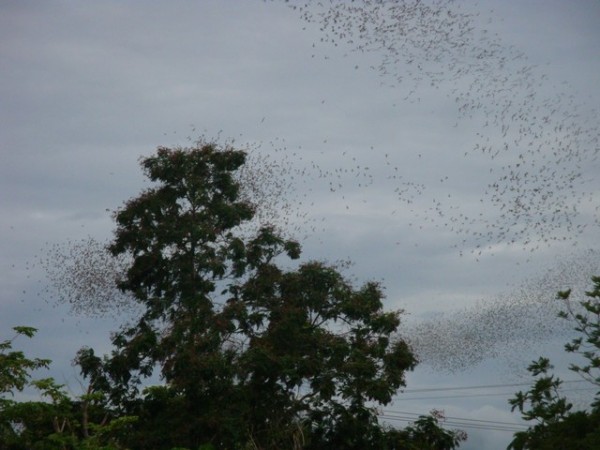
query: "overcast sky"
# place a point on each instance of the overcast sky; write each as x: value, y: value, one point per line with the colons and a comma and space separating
x: 452, y: 157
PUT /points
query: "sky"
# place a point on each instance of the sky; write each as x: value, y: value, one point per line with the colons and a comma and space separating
x: 447, y: 150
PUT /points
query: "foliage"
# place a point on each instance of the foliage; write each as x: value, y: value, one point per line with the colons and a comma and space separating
x: 60, y: 423
x: 317, y: 336
x: 14, y: 366
x: 588, y: 326
x: 557, y: 426
x: 252, y: 354
x: 426, y: 433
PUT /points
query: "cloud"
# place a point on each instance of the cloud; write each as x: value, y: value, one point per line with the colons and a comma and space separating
x: 87, y: 89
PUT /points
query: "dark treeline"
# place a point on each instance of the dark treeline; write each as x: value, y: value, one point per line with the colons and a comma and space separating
x: 256, y: 349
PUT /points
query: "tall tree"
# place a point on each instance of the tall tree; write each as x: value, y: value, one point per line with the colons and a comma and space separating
x: 252, y: 353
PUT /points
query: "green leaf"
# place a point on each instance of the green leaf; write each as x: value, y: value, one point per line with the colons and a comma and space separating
x: 26, y: 331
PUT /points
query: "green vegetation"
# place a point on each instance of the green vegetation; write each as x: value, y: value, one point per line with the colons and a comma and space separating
x: 256, y: 350
x: 557, y: 426
x: 62, y: 422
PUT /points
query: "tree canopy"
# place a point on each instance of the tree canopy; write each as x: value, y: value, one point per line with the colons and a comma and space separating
x: 255, y: 349
x: 271, y: 354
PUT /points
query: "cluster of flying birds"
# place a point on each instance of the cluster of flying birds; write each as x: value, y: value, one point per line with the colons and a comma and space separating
x: 511, y: 327
x: 537, y: 144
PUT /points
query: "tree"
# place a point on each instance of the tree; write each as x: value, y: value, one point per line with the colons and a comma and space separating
x: 587, y: 323
x: 60, y: 423
x: 252, y: 354
x: 15, y: 366
x: 15, y: 375
x: 324, y: 349
x: 557, y: 426
x: 426, y: 433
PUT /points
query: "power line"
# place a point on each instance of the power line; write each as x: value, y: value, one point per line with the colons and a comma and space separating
x: 462, y: 422
x: 457, y: 422
x: 461, y: 425
x: 483, y: 394
x: 496, y: 422
x: 483, y: 386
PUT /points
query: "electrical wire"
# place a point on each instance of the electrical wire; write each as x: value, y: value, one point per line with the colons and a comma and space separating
x: 483, y: 386
x: 487, y: 394
x: 461, y: 422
